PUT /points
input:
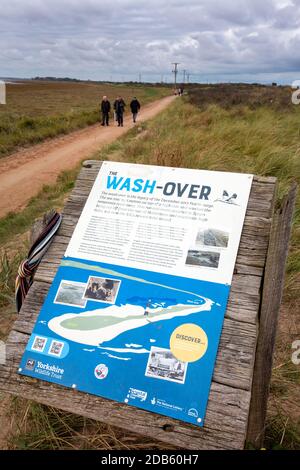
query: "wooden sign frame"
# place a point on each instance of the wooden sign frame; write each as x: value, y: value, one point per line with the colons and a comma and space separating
x: 238, y: 397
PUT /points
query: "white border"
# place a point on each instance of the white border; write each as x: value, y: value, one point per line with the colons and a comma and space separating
x: 220, y: 214
x: 164, y: 378
x: 103, y: 301
x: 66, y: 281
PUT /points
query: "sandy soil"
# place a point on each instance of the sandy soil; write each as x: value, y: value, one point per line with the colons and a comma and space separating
x: 23, y: 174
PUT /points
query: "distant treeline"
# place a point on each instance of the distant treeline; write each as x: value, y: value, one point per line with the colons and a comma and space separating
x: 76, y: 80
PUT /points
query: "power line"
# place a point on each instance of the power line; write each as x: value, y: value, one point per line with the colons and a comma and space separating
x: 175, y: 71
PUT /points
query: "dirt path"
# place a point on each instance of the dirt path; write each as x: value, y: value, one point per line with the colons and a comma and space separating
x: 24, y: 173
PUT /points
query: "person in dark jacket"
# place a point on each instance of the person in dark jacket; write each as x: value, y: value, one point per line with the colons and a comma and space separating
x: 135, y: 107
x: 105, y: 110
x: 119, y: 107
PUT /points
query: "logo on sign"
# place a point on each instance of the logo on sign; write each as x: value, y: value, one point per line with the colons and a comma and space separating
x: 101, y: 371
x: 137, y: 394
x: 30, y: 364
x: 193, y: 412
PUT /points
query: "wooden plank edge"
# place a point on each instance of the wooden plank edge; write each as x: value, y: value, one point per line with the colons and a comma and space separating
x: 269, y: 313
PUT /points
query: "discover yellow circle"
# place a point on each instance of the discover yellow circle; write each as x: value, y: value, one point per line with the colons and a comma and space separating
x: 188, y: 342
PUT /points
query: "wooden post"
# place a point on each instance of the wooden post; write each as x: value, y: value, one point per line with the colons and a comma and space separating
x: 271, y: 299
x: 39, y: 225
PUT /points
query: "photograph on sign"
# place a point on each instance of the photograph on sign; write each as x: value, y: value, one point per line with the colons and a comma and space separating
x: 163, y: 365
x: 101, y: 289
x: 212, y: 237
x: 71, y: 293
x: 209, y: 259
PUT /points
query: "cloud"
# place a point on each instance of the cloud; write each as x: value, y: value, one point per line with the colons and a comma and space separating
x: 240, y: 39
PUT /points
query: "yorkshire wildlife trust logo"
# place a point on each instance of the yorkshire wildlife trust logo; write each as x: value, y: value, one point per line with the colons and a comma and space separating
x: 30, y: 364
x: 2, y: 92
x: 2, y: 352
x: 296, y: 92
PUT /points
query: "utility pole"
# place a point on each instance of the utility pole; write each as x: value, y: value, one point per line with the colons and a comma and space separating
x: 140, y: 78
x: 188, y: 78
x: 175, y: 71
x: 184, y: 74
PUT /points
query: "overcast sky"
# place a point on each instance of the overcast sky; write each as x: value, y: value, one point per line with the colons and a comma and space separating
x: 244, y: 40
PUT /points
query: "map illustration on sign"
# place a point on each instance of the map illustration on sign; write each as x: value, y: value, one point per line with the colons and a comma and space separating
x: 136, y: 309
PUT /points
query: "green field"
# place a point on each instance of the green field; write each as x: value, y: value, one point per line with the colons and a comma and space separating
x: 232, y: 128
x: 37, y: 110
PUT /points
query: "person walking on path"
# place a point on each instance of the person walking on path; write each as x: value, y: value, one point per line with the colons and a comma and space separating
x: 135, y: 107
x: 119, y: 107
x: 105, y: 109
